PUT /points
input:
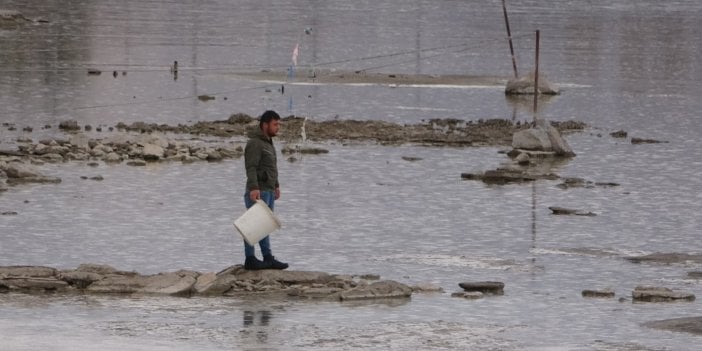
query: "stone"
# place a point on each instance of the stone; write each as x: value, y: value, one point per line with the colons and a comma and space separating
x: 695, y: 275
x: 204, y: 282
x: 646, y: 141
x: 525, y: 85
x: 112, y: 157
x: 69, y: 125
x: 136, y: 163
x: 692, y: 325
x: 79, y: 279
x: 666, y: 258
x: 605, y: 293
x: 97, y: 268
x: 425, y: 287
x: 80, y: 141
x: 411, y: 158
x: 32, y: 283
x: 174, y: 284
x: 487, y: 287
x: 544, y: 137
x: 532, y: 139
x: 27, y: 271
x: 378, y: 290
x: 20, y: 170
x: 468, y: 295
x: 153, y: 152
x: 213, y: 156
x: 659, y: 294
x: 618, y: 134
x: 567, y: 211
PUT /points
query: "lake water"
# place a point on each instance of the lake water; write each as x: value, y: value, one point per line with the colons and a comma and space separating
x: 629, y: 65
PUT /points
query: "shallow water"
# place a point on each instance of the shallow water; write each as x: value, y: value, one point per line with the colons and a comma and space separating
x: 361, y: 208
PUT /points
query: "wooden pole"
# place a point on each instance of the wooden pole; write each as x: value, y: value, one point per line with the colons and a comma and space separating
x: 536, y: 76
x: 509, y: 36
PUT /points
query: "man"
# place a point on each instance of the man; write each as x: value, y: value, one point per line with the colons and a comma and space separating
x: 262, y: 184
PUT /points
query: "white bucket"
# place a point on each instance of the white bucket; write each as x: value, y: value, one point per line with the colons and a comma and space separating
x: 256, y: 223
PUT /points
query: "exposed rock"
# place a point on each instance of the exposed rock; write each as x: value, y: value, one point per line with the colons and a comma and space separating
x: 205, y: 97
x: 544, y: 137
x: 240, y: 118
x: 646, y: 141
x: 605, y: 293
x: 666, y: 258
x: 136, y: 163
x: 582, y: 183
x: 69, y: 125
x: 80, y: 279
x: 113, y: 157
x: 567, y: 211
x: 8, y: 213
x: 507, y: 175
x: 81, y: 141
x: 425, y: 287
x: 525, y: 85
x: 27, y: 271
x: 619, y: 134
x: 378, y: 290
x: 659, y: 294
x: 152, y: 152
x: 233, y: 281
x: 411, y: 158
x: 468, y: 295
x: 19, y: 173
x: 695, y: 275
x: 691, y: 325
x: 494, y: 288
x: 31, y: 283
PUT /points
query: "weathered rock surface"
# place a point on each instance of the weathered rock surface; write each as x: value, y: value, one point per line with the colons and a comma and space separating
x: 506, y: 176
x: 525, y: 85
x: 233, y: 281
x: 468, y: 295
x: 659, y: 294
x: 568, y: 211
x: 20, y: 173
x: 582, y: 183
x: 604, y: 293
x: 691, y: 325
x: 695, y: 274
x: 543, y: 137
x: 493, y: 288
x: 666, y: 258
x: 646, y: 141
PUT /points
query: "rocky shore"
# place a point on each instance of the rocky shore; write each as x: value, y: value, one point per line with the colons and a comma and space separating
x: 232, y: 281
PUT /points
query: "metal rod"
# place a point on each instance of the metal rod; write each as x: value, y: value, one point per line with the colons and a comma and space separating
x: 509, y: 36
x: 536, y: 76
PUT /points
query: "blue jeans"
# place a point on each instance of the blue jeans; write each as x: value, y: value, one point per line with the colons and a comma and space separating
x: 269, y: 198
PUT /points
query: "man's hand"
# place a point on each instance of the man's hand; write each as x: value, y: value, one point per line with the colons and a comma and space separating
x: 255, y: 195
x: 277, y: 193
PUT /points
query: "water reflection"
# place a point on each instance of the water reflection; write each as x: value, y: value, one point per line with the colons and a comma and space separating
x: 256, y: 326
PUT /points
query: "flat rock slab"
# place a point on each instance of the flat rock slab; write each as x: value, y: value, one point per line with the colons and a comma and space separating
x: 569, y: 212
x: 691, y: 325
x: 468, y: 295
x: 659, y: 294
x: 604, y: 293
x: 494, y: 288
x: 666, y: 258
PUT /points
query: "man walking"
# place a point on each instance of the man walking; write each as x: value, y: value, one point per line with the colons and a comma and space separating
x: 262, y: 184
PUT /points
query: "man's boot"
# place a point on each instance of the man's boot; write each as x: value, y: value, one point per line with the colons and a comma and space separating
x: 253, y: 264
x: 273, y: 263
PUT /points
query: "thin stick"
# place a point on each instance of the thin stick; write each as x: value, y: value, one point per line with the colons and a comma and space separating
x: 509, y: 36
x: 536, y: 76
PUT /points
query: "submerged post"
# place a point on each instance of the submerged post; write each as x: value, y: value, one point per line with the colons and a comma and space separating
x: 536, y: 76
x: 509, y: 36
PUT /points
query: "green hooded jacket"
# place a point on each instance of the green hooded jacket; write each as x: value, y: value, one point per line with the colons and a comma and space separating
x: 260, y: 162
